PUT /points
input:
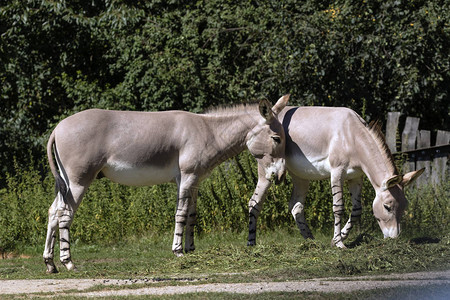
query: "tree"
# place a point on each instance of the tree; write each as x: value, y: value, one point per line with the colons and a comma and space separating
x: 60, y: 57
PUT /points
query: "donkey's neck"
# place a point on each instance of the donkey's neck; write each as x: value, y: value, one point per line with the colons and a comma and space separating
x: 230, y: 134
x: 375, y: 158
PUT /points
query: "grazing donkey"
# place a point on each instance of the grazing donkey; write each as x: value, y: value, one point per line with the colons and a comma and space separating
x: 336, y: 143
x: 147, y: 148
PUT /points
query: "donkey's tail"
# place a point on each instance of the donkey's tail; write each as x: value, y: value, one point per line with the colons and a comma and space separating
x: 60, y: 184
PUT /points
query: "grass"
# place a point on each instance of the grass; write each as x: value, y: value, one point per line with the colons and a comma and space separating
x: 223, y: 257
x: 281, y: 255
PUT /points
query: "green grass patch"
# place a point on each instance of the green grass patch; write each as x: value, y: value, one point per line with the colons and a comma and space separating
x: 280, y: 255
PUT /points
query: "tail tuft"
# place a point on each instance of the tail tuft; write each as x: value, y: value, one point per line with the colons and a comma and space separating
x: 60, y: 186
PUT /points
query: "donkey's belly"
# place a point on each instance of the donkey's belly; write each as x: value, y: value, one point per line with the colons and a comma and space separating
x: 311, y: 168
x: 144, y: 175
x: 315, y: 167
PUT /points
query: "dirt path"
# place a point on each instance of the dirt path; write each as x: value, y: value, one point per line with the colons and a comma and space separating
x: 77, y: 287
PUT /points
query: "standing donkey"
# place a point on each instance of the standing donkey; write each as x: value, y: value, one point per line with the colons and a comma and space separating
x: 336, y: 143
x: 147, y: 148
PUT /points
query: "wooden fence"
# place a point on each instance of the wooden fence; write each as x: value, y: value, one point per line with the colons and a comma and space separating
x: 416, y: 145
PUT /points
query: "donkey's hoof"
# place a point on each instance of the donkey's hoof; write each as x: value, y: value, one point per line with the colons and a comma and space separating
x: 178, y: 253
x: 51, y: 268
x: 309, y: 236
x: 251, y: 243
x: 189, y: 250
x: 69, y: 265
x: 338, y: 244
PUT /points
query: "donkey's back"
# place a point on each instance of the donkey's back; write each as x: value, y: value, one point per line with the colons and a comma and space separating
x: 132, y: 148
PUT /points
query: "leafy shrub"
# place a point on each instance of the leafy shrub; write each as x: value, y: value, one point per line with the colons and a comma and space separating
x: 23, y: 208
x: 111, y: 212
x: 428, y: 211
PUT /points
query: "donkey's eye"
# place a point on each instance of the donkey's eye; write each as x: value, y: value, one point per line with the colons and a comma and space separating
x: 387, y: 207
x: 277, y: 139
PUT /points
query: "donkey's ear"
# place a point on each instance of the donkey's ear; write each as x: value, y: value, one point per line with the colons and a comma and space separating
x: 391, y: 181
x: 281, y: 104
x: 265, y: 110
x: 411, y: 176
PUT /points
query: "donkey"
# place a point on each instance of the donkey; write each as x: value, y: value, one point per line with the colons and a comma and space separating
x: 336, y: 143
x: 148, y: 148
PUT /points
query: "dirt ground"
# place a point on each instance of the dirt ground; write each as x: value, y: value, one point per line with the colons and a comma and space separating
x: 78, y: 287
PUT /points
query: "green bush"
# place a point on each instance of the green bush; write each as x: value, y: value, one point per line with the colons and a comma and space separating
x: 428, y: 210
x: 23, y: 208
x: 111, y: 212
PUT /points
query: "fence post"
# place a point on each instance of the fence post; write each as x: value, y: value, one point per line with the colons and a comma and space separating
x: 440, y: 159
x: 391, y: 130
x: 423, y: 158
x: 409, y: 136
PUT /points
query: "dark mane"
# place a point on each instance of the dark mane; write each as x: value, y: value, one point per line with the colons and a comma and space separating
x: 375, y: 130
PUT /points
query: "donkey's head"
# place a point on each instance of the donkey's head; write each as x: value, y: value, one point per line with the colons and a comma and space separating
x: 266, y: 141
x: 390, y: 202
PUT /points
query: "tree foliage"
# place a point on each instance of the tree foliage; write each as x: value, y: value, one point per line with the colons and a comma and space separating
x: 60, y: 57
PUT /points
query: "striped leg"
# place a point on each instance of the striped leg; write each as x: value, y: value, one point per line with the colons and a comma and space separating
x: 191, y: 221
x: 51, y: 237
x: 355, y: 187
x: 180, y: 223
x: 255, y: 206
x: 338, y: 206
x: 65, y: 218
x: 185, y: 184
x: 297, y: 204
x: 65, y: 212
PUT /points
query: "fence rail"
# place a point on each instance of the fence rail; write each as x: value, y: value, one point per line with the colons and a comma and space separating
x: 416, y: 145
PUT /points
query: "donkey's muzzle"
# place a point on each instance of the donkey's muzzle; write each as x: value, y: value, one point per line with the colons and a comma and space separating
x: 275, y: 171
x: 391, y: 232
